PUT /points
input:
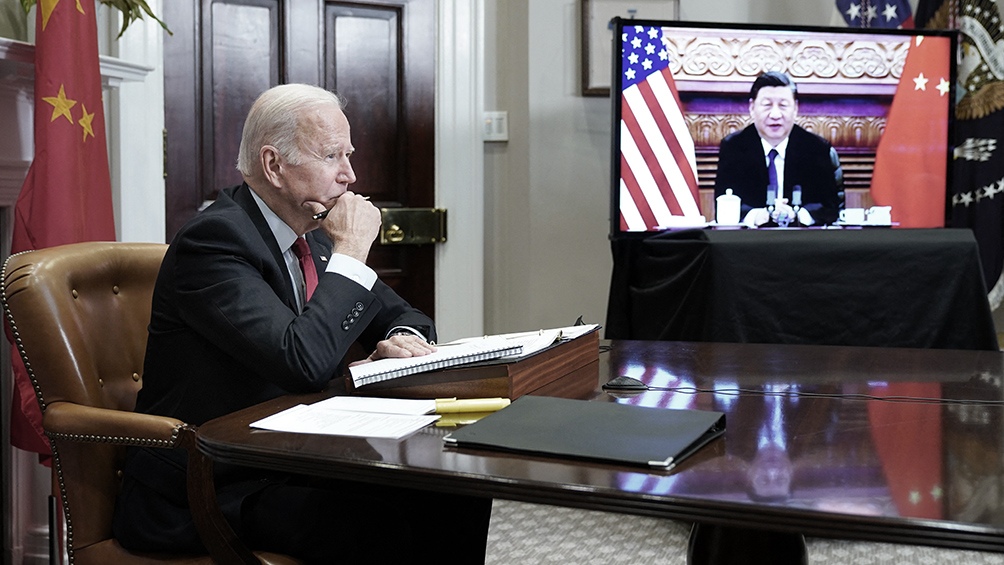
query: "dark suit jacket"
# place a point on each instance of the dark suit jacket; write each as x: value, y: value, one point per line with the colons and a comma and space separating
x: 810, y: 161
x: 225, y: 335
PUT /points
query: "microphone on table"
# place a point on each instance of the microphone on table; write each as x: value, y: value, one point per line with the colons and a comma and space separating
x: 771, y: 199
x: 796, y: 202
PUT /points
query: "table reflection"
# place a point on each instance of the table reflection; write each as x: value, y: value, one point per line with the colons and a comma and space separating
x: 860, y: 447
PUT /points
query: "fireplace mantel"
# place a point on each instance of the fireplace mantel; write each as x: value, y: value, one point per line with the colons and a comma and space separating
x: 17, y: 72
x: 114, y: 71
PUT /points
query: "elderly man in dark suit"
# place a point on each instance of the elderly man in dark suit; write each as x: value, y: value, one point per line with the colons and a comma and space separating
x: 239, y: 318
x: 774, y: 155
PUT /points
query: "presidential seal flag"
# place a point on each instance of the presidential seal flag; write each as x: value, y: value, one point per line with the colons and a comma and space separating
x: 892, y: 14
x: 66, y: 197
x: 977, y: 187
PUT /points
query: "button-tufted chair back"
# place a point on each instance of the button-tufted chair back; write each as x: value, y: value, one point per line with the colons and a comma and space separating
x: 79, y: 315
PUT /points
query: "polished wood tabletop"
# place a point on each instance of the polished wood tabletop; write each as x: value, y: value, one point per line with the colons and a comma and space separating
x: 896, y: 445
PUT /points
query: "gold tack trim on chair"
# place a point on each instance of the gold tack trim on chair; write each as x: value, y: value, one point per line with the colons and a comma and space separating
x: 14, y: 331
x: 79, y: 417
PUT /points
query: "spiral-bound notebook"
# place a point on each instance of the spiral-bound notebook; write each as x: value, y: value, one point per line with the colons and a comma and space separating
x: 490, y: 347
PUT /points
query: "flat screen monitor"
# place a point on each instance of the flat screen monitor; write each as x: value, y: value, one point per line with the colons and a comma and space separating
x: 881, y: 99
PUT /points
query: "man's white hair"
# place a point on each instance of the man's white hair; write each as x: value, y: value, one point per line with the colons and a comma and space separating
x: 274, y: 119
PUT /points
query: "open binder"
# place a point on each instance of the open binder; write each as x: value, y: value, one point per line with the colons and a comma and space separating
x: 568, y: 367
x: 603, y: 431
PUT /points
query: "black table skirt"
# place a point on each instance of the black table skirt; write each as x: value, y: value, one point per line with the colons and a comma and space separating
x: 867, y: 287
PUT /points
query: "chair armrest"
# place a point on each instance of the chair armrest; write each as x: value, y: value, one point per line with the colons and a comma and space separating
x: 76, y: 422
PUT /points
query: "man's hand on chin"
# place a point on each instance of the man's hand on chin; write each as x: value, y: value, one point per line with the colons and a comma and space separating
x: 399, y: 345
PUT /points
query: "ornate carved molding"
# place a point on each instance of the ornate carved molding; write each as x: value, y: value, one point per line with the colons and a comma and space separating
x: 730, y: 61
x: 841, y: 131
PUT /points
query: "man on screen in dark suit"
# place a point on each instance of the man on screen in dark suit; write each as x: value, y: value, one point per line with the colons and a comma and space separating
x: 236, y: 321
x: 774, y: 151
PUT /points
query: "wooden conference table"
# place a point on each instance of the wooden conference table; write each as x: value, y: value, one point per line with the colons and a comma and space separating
x: 881, y: 444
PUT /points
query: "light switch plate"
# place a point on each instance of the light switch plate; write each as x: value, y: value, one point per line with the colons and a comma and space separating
x: 497, y: 126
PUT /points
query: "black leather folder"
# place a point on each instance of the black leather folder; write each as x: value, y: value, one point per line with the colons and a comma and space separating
x: 603, y: 431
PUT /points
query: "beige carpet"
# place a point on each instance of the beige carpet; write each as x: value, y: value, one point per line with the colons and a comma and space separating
x: 530, y: 533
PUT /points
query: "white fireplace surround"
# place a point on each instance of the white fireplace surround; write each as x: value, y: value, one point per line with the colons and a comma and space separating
x: 16, y: 105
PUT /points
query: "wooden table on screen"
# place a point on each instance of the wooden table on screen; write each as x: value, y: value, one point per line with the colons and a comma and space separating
x: 809, y: 449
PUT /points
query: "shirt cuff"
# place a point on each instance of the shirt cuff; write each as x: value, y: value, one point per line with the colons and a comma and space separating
x: 353, y: 269
x: 750, y: 219
x: 805, y: 217
x: 405, y: 330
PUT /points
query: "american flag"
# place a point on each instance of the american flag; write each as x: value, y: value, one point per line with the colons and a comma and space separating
x: 658, y: 178
x: 895, y: 14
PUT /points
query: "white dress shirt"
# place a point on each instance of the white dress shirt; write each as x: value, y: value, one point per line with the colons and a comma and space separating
x: 782, y: 150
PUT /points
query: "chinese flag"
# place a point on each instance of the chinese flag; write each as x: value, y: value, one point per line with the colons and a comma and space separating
x: 907, y: 438
x: 912, y: 156
x: 66, y: 197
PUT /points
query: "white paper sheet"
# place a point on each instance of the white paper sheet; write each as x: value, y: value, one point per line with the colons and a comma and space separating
x: 309, y: 419
x: 534, y: 341
x: 379, y: 405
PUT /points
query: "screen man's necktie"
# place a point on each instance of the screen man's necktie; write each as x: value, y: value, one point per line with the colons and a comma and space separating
x: 302, y: 252
x: 771, y: 171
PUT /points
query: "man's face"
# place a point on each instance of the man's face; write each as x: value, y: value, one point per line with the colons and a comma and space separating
x: 323, y: 172
x: 773, y: 112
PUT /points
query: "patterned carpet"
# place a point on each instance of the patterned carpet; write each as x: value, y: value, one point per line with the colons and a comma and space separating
x: 530, y: 533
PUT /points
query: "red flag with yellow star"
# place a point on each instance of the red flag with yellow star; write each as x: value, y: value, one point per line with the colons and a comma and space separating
x: 912, y: 156
x: 67, y: 195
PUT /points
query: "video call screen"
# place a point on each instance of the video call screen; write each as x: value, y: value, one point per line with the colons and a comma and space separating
x: 882, y: 98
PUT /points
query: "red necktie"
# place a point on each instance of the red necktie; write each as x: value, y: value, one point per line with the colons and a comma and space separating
x: 302, y: 252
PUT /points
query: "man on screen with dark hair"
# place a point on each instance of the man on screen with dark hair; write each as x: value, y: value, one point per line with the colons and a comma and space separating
x: 782, y: 173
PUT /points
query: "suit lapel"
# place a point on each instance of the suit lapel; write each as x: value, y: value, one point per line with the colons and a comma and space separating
x: 320, y: 248
x: 242, y: 196
x: 792, y: 158
x: 756, y: 159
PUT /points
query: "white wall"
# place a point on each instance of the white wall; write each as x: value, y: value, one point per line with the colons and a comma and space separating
x: 547, y: 189
x: 135, y: 132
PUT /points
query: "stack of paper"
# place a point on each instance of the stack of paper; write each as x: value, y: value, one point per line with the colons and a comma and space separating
x: 534, y: 341
x: 389, y: 418
x: 363, y: 416
x: 447, y: 355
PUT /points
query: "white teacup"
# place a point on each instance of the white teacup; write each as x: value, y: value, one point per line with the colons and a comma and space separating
x: 880, y: 215
x: 852, y: 215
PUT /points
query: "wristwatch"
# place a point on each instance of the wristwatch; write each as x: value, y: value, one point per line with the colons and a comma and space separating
x: 402, y: 331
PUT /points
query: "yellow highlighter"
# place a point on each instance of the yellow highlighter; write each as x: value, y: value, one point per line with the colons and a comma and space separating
x: 454, y: 405
x: 460, y: 419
